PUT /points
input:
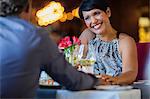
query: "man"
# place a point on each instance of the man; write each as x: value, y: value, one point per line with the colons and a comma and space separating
x: 24, y: 48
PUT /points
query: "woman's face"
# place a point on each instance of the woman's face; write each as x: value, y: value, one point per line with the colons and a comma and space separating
x: 97, y: 20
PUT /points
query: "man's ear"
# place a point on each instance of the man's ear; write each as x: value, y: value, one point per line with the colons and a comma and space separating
x: 26, y: 14
x: 108, y: 12
x: 26, y: 9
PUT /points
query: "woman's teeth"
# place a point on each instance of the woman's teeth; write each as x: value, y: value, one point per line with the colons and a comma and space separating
x: 97, y: 26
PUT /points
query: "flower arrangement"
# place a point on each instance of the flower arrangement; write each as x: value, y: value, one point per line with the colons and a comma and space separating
x: 68, y: 45
x: 67, y: 42
x: 73, y: 51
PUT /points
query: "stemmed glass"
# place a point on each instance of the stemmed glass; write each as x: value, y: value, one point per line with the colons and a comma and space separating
x: 84, y: 64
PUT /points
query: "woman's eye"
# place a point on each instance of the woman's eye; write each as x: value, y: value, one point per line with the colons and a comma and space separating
x: 86, y: 18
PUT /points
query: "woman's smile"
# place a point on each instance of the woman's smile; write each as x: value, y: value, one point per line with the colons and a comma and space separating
x: 97, y: 26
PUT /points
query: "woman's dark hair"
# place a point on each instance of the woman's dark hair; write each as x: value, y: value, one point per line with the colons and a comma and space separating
x: 12, y: 7
x: 87, y: 5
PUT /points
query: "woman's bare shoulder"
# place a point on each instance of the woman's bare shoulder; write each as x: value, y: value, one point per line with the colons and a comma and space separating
x: 126, y: 40
x: 125, y: 37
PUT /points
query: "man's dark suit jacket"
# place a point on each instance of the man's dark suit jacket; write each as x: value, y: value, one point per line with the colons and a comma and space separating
x: 23, y: 49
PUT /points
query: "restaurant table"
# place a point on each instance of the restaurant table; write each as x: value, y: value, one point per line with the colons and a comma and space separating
x: 145, y: 90
x: 99, y: 94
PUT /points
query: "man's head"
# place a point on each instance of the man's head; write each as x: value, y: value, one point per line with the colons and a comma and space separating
x: 12, y: 7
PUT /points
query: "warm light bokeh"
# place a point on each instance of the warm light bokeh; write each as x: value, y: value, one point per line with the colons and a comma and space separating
x: 75, y: 12
x: 53, y: 12
x: 144, y: 29
x: 50, y: 13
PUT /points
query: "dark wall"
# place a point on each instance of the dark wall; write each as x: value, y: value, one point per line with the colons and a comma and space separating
x: 125, y: 15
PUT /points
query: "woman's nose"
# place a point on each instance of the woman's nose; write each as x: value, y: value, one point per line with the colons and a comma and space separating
x: 93, y: 20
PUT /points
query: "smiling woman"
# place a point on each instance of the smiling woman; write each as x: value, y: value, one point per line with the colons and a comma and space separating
x: 116, y: 55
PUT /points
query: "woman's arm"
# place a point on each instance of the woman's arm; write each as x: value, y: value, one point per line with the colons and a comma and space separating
x: 128, y: 51
x: 129, y: 59
x: 85, y: 37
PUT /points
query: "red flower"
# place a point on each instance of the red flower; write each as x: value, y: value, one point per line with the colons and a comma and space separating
x: 66, y: 42
x: 76, y: 40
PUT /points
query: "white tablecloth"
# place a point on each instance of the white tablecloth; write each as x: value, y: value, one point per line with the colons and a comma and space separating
x: 99, y: 94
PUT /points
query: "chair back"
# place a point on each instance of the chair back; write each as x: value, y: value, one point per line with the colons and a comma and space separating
x: 143, y: 51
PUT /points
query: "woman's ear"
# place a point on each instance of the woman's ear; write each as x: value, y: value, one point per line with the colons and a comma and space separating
x: 108, y: 12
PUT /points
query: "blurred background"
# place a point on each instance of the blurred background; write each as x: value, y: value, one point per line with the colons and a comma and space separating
x: 60, y: 17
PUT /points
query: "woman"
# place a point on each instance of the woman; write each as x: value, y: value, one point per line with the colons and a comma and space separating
x: 116, y: 54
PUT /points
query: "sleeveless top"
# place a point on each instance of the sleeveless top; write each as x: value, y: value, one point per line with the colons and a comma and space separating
x: 108, y: 59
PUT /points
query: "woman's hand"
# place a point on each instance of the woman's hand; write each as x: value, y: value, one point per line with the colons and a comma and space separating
x: 104, y: 82
x: 113, y: 80
x: 103, y: 79
x: 109, y: 79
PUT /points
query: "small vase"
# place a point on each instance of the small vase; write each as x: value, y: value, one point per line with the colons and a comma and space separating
x: 69, y: 53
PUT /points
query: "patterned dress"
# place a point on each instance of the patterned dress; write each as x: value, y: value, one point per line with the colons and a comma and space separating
x: 108, y: 59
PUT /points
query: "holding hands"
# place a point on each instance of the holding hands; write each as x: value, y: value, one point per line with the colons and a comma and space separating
x: 108, y: 80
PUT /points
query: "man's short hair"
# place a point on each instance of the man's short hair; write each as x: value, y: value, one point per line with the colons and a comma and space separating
x: 12, y: 7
